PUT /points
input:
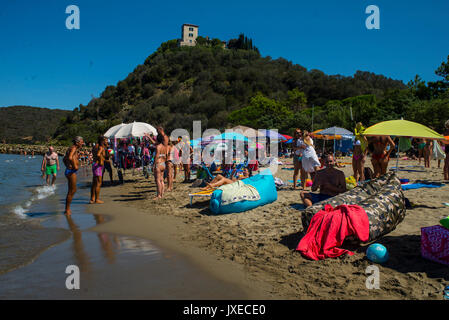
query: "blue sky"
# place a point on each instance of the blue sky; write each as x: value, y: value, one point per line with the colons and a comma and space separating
x: 44, y: 64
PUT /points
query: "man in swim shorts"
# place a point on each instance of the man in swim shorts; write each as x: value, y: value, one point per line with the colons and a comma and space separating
x: 50, y: 165
x: 72, y: 165
x: 99, y: 156
x: 331, y: 182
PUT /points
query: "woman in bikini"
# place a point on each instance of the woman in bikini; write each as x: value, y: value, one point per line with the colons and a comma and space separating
x: 159, y: 166
x: 380, y: 156
x: 219, y: 180
x: 99, y: 155
x: 427, y: 152
x: 358, y: 159
x: 421, y: 146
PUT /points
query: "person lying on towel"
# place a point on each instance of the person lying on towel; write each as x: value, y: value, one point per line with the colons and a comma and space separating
x: 331, y: 182
x: 219, y: 180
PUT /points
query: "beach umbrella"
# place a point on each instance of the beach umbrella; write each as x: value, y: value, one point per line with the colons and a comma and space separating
x: 231, y: 136
x: 447, y: 140
x: 247, y: 131
x: 287, y: 137
x: 274, y: 135
x: 113, y: 130
x: 402, y: 128
x: 335, y: 132
x: 134, y: 129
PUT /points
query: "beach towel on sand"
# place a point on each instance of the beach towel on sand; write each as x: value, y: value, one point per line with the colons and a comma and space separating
x: 329, y: 228
x: 421, y: 185
x: 238, y: 191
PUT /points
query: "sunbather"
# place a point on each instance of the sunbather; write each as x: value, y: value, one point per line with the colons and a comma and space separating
x: 220, y: 180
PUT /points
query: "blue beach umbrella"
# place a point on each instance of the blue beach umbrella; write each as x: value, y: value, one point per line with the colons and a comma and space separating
x: 337, y: 131
x: 231, y: 136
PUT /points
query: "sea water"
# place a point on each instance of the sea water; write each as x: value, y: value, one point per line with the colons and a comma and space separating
x: 38, y: 242
x: 21, y: 188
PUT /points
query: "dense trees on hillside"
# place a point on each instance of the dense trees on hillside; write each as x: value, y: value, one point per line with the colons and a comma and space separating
x: 224, y: 87
x: 23, y: 124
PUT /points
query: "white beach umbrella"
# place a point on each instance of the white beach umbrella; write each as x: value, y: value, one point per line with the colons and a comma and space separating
x: 135, y: 129
x: 110, y: 133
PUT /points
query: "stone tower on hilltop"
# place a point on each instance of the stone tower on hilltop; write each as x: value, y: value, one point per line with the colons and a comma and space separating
x: 189, y: 35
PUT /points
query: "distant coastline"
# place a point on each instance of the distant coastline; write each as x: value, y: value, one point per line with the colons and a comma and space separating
x: 39, y: 149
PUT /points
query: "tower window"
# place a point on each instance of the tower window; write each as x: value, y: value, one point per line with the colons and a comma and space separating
x: 190, y: 34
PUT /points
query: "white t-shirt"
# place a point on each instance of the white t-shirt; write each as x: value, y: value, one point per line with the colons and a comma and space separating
x: 299, y: 143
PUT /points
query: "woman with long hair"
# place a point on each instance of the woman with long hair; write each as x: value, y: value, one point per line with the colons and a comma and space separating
x: 380, y: 155
x: 310, y: 161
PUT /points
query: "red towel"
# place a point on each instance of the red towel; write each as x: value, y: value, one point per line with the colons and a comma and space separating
x: 329, y: 228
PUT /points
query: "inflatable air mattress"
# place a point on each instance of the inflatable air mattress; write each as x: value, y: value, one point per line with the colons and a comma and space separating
x: 381, y: 198
x: 263, y: 182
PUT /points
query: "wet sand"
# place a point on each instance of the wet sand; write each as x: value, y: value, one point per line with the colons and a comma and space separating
x: 256, y: 249
x: 112, y: 266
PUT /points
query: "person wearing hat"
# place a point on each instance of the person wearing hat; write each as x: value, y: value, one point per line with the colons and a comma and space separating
x: 50, y: 165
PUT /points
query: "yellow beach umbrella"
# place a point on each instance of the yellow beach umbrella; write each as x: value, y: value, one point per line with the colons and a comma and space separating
x: 402, y: 128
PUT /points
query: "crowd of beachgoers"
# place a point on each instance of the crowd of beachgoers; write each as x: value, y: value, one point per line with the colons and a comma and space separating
x: 165, y: 159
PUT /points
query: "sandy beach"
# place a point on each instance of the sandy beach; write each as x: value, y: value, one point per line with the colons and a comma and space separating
x: 256, y: 249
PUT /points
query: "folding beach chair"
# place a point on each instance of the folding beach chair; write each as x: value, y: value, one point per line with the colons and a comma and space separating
x: 206, y: 193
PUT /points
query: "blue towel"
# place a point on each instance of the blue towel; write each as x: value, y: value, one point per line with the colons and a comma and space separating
x: 421, y: 185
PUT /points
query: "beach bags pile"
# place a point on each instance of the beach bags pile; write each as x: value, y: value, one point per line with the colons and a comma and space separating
x: 381, y: 198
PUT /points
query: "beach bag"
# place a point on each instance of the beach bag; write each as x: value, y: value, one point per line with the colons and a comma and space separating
x: 435, y: 244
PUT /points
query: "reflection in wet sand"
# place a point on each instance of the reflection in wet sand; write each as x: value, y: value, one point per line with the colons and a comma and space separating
x: 80, y: 254
x: 109, y: 247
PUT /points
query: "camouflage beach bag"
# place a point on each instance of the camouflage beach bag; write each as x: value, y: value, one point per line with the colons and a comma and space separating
x: 381, y: 198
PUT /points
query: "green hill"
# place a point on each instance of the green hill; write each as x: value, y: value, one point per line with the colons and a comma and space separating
x: 22, y: 124
x: 237, y: 85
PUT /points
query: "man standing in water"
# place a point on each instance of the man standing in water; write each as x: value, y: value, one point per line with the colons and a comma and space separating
x: 99, y: 155
x: 72, y: 165
x: 50, y: 165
